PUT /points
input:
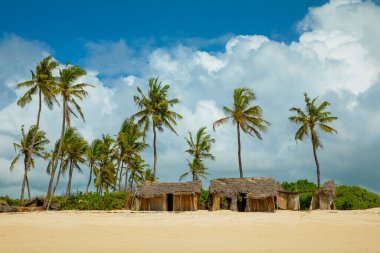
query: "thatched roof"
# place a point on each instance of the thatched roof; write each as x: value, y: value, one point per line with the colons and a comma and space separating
x: 329, y: 186
x: 153, y: 189
x: 230, y: 187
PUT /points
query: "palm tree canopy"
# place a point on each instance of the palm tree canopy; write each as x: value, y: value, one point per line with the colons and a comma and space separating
x: 25, y: 146
x: 313, y: 116
x: 248, y: 117
x: 42, y: 81
x: 155, y: 107
x: 74, y: 148
x: 72, y: 91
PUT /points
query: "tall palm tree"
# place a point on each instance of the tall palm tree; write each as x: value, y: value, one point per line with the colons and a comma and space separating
x: 200, y: 150
x: 131, y: 145
x: 137, y: 169
x: 246, y: 117
x: 92, y: 154
x: 29, y: 148
x: 42, y: 83
x: 70, y: 92
x: 313, y: 117
x: 155, y: 111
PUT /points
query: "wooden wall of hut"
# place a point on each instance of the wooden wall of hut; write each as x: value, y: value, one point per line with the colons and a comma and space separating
x: 260, y: 205
x: 185, y: 202
x: 157, y: 203
x: 293, y: 202
x: 282, y: 201
x: 323, y: 200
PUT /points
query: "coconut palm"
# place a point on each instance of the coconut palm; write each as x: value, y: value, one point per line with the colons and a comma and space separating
x: 130, y: 144
x: 92, y: 154
x: 312, y: 118
x: 155, y: 111
x: 70, y: 92
x: 246, y: 117
x: 106, y: 171
x: 136, y: 168
x: 42, y: 83
x: 200, y: 150
x: 148, y: 175
x: 27, y: 147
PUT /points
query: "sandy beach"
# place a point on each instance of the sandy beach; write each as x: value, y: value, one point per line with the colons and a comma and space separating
x: 201, y: 231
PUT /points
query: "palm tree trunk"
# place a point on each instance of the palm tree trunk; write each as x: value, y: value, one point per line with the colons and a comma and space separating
x: 23, y: 183
x: 68, y: 190
x: 117, y: 172
x: 126, y: 179
x: 155, y: 153
x: 121, y: 174
x: 89, y: 180
x: 27, y: 185
x: 58, y: 176
x: 239, y: 151
x: 316, y: 162
x: 49, y: 195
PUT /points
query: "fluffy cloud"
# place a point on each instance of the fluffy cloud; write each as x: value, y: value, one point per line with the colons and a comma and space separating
x: 336, y: 58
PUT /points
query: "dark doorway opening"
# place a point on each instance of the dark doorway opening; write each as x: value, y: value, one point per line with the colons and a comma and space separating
x: 169, y: 201
x: 241, y: 202
x: 225, y: 204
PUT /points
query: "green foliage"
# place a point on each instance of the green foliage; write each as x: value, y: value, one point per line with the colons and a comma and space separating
x: 355, y: 197
x: 94, y: 201
x: 205, y: 199
x: 299, y: 186
x: 9, y: 201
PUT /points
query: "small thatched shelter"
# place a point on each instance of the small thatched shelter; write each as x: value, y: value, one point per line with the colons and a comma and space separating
x: 154, y: 196
x: 244, y: 194
x: 323, y: 198
x: 287, y: 200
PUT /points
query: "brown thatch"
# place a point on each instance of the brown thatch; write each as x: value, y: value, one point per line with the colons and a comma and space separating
x: 155, y: 189
x: 231, y: 187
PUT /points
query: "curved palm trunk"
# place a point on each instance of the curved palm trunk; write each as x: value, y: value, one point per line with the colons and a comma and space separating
x: 89, y: 180
x: 239, y: 151
x: 58, y: 177
x: 23, y: 183
x: 27, y: 163
x: 49, y: 195
x: 316, y: 162
x: 68, y: 190
x: 126, y: 179
x: 155, y: 153
x: 121, y: 174
x: 27, y: 185
x: 117, y: 173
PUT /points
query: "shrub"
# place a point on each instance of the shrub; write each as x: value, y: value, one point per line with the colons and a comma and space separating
x: 205, y: 199
x: 355, y: 197
x: 299, y: 186
x: 10, y: 201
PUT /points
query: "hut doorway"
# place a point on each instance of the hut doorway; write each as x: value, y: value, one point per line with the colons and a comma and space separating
x: 169, y: 203
x: 241, y: 201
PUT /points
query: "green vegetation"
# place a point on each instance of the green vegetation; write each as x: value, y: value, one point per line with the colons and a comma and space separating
x: 299, y: 186
x: 355, y: 197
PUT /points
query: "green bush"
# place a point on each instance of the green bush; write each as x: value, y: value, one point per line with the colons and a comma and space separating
x: 300, y: 186
x: 10, y: 201
x: 94, y: 201
x: 205, y: 199
x: 355, y: 197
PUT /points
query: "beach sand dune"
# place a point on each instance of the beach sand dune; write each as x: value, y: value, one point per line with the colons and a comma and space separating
x: 201, y: 231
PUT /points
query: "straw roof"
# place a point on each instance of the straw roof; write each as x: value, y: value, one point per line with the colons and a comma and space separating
x: 153, y: 189
x: 230, y: 187
x: 329, y: 186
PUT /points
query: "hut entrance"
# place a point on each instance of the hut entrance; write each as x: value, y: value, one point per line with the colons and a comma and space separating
x: 169, y: 201
x: 241, y: 201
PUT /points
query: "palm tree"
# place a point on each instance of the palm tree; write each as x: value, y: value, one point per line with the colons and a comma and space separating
x: 92, y: 154
x: 75, y: 148
x: 43, y: 84
x: 200, y: 150
x: 29, y: 148
x: 155, y: 111
x: 314, y: 116
x: 246, y: 117
x: 137, y: 168
x: 148, y: 175
x: 69, y: 92
x: 106, y: 172
x: 130, y: 145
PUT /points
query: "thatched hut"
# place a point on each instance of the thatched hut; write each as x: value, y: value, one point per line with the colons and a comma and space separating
x: 244, y: 194
x: 323, y: 198
x: 154, y: 196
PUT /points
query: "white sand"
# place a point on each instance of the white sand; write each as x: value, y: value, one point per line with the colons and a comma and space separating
x: 202, y: 231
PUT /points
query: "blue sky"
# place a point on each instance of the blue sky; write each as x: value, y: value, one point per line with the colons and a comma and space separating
x: 204, y: 50
x: 67, y: 26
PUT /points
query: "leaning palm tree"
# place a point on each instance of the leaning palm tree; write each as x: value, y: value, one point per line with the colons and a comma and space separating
x: 199, y: 148
x: 42, y: 83
x: 70, y: 93
x: 27, y: 147
x: 92, y: 154
x: 313, y: 117
x: 155, y: 111
x: 246, y: 117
